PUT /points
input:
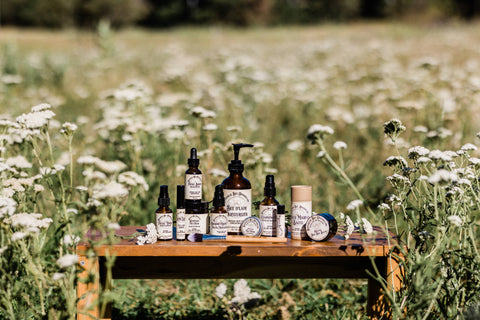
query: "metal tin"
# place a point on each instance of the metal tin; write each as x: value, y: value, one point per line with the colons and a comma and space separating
x: 251, y: 226
x: 321, y: 227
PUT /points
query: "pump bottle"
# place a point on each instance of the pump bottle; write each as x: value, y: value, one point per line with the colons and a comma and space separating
x: 268, y: 208
x: 193, y: 178
x: 237, y: 191
x: 218, y: 215
x: 164, y: 215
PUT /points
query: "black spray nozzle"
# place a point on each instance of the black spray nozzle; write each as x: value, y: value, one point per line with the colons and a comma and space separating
x: 218, y: 198
x: 181, y: 196
x: 163, y: 198
x: 281, y: 209
x: 193, y: 160
x: 269, y: 190
x: 236, y: 164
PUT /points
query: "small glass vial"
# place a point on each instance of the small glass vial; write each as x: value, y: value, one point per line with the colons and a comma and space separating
x: 301, y: 210
x: 268, y: 208
x: 219, y: 215
x: 180, y: 234
x: 280, y: 232
x: 164, y: 215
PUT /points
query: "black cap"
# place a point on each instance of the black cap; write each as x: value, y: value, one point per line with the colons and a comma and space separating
x: 192, y: 205
x: 193, y: 161
x: 163, y: 198
x: 236, y: 165
x: 204, y: 206
x: 180, y: 196
x: 218, y: 198
x: 281, y: 209
x: 269, y: 190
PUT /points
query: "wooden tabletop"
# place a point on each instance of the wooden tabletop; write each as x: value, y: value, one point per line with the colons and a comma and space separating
x: 374, y: 244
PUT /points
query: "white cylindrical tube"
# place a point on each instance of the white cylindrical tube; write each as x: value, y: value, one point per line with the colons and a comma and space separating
x: 301, y: 210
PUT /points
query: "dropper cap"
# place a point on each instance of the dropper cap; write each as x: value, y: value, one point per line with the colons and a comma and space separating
x: 269, y: 190
x: 281, y: 209
x: 236, y: 164
x: 180, y: 196
x: 163, y: 198
x: 193, y: 161
x: 218, y: 198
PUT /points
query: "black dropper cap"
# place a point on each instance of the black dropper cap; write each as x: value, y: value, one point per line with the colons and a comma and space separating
x: 218, y: 198
x: 193, y: 161
x: 236, y: 165
x: 180, y: 196
x: 269, y: 190
x: 163, y: 198
x: 281, y: 209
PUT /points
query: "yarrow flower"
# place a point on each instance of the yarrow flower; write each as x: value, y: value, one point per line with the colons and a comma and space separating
x: 243, y: 293
x: 210, y: 127
x: 220, y: 290
x: 7, y: 206
x: 67, y: 260
x: 468, y: 147
x: 35, y: 120
x: 29, y: 220
x: 318, y: 131
x: 455, y: 220
x: 349, y: 227
x: 111, y: 190
x: 132, y: 179
x: 393, y: 128
x: 294, y: 145
x: 68, y: 128
x: 442, y: 177
x: 418, y: 151
x: 353, y: 205
x: 339, y: 145
x: 19, y: 162
x: 395, y: 161
x: 150, y: 237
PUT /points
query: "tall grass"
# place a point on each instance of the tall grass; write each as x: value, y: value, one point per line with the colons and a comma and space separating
x: 125, y: 108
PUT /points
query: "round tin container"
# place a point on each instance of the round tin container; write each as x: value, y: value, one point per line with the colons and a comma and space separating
x: 321, y: 227
x: 251, y: 226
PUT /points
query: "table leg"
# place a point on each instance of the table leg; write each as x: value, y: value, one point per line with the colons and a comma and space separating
x: 87, y: 293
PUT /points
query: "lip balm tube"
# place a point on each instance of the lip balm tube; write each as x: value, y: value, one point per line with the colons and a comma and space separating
x: 301, y: 210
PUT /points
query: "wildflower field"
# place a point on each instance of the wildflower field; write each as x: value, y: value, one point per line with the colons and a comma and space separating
x: 381, y: 119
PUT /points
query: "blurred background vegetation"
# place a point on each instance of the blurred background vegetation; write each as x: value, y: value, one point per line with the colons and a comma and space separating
x: 168, y: 13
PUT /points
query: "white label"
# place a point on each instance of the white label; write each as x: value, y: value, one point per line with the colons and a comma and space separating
x: 165, y: 226
x: 281, y: 225
x: 196, y: 223
x: 238, y: 203
x: 219, y: 224
x: 301, y: 211
x: 267, y: 216
x: 180, y: 224
x: 317, y: 228
x: 193, y: 186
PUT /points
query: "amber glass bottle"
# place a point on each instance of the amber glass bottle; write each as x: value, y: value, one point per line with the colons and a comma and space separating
x: 164, y: 215
x: 219, y: 215
x: 268, y: 208
x: 237, y: 191
x: 193, y: 178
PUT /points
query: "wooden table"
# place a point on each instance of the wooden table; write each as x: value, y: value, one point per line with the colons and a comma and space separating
x: 336, y: 258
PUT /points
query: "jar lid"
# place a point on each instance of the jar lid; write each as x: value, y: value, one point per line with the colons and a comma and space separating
x: 321, y: 227
x: 251, y: 226
x: 301, y: 193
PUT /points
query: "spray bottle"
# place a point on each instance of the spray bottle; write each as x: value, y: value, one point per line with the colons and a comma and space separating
x: 268, y: 208
x: 164, y: 215
x: 238, y: 192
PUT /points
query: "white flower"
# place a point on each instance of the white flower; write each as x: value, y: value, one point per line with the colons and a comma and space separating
x: 72, y: 211
x: 132, y: 179
x: 113, y: 226
x: 7, y: 206
x: 367, y: 226
x: 218, y: 172
x: 3, y: 249
x: 67, y: 260
x: 418, y: 151
x: 455, y: 220
x: 463, y: 181
x: 41, y: 107
x: 384, y: 207
x: 340, y: 145
x: 321, y: 154
x: 69, y: 240
x: 202, y: 113
x: 220, y: 290
x: 57, y: 276
x: 35, y: 120
x: 294, y: 145
x: 94, y: 175
x: 242, y: 292
x: 474, y: 161
x: 395, y: 160
x: 19, y: 162
x: 111, y: 166
x: 439, y: 155
x: 318, y: 131
x: 29, y: 220
x: 81, y: 188
x: 18, y: 236
x: 442, y: 177
x: 68, y: 128
x: 151, y: 236
x: 110, y: 190
x: 38, y: 188
x: 87, y: 160
x: 349, y: 227
x: 424, y: 160
x: 354, y: 204
x: 210, y: 127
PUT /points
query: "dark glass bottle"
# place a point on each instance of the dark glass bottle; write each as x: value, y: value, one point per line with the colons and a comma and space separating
x: 237, y: 191
x: 218, y: 215
x: 268, y: 208
x: 180, y: 234
x: 164, y: 215
x: 193, y: 178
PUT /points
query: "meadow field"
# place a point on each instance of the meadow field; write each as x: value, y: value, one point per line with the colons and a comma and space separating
x: 382, y: 120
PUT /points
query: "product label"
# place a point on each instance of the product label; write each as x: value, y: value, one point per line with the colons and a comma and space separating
x: 193, y: 186
x: 196, y: 223
x: 238, y: 203
x: 317, y: 228
x: 281, y: 225
x: 267, y: 216
x: 251, y: 227
x: 180, y: 224
x: 301, y: 211
x: 218, y: 224
x: 165, y: 226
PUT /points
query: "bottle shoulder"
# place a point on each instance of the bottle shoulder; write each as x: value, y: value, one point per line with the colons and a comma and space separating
x: 193, y: 170
x: 269, y: 201
x: 164, y: 210
x: 236, y: 181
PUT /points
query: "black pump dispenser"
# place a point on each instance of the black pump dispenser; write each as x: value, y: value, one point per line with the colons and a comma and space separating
x: 193, y: 161
x: 269, y: 190
x: 163, y: 198
x: 218, y: 198
x: 236, y: 165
